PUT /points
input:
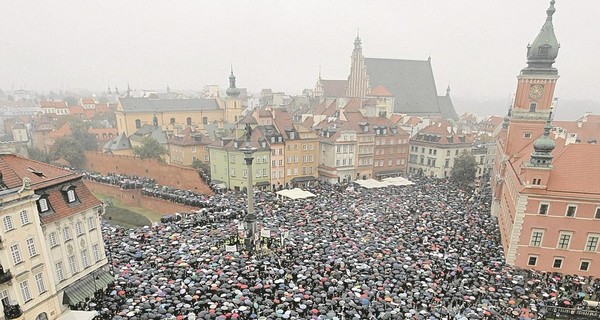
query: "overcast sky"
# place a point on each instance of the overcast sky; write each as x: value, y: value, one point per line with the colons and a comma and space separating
x: 478, y: 46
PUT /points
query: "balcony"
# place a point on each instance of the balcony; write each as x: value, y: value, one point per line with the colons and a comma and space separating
x: 5, y: 276
x: 11, y: 311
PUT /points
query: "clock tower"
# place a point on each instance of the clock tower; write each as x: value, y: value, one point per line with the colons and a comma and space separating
x: 532, y: 105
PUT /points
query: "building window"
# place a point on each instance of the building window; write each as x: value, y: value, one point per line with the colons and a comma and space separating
x: 71, y: 196
x: 67, y: 234
x: 39, y: 281
x: 543, y: 208
x: 527, y: 135
x: 532, y: 261
x: 60, y: 275
x: 188, y: 121
x: 584, y: 265
x: 52, y: 239
x: 536, y: 238
x: 265, y: 173
x: 24, y: 286
x: 91, y: 222
x: 258, y: 173
x: 8, y: 223
x: 138, y: 123
x: 43, y: 204
x: 557, y: 264
x: 571, y: 210
x: 96, y: 253
x: 172, y: 121
x: 532, y: 107
x: 72, y: 265
x: 204, y: 120
x: 16, y: 254
x: 295, y: 171
x: 24, y: 217
x: 31, y: 247
x: 79, y: 228
x: 597, y: 214
x: 233, y: 172
x: 84, y: 258
x: 592, y: 243
x: 564, y: 240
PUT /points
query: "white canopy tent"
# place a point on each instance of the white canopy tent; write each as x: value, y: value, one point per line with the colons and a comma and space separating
x: 398, y: 181
x: 296, y: 193
x: 371, y: 183
x: 77, y: 315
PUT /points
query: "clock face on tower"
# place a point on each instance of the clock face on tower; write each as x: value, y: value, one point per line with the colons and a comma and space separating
x: 536, y: 91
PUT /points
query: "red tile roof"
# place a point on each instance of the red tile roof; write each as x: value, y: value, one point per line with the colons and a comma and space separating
x: 380, y: 91
x: 63, y: 131
x: 41, y: 174
x: 49, y: 180
x: 576, y: 169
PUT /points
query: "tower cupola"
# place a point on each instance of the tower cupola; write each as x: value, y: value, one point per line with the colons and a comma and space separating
x: 232, y: 91
x: 542, y: 53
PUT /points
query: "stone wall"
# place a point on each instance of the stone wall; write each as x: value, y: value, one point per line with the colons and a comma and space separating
x: 168, y: 175
x: 134, y: 198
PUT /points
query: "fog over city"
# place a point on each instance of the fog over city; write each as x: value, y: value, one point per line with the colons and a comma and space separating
x: 478, y: 47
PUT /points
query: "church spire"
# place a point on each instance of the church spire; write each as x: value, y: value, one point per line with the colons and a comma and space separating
x: 357, y: 42
x: 542, y: 53
x: 448, y: 91
x: 232, y: 91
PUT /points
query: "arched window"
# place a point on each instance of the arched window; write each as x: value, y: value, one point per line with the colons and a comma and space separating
x: 204, y: 120
x: 42, y: 316
x: 138, y: 123
x: 172, y: 121
x: 188, y: 121
x: 532, y: 107
x: 8, y: 223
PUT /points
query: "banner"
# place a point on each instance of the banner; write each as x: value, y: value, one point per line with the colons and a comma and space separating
x: 232, y: 248
x: 265, y: 233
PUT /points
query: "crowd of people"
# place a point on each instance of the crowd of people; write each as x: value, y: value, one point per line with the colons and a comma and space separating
x: 426, y: 251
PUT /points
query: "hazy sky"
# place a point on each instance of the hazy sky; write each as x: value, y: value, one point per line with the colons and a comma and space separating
x: 478, y: 46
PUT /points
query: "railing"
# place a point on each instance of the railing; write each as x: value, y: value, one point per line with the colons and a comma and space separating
x: 573, y: 313
x: 12, y: 311
x: 5, y: 276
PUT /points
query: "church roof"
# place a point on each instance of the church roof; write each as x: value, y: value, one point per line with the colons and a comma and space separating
x: 447, y: 107
x: 156, y: 105
x: 334, y: 88
x: 411, y: 82
x: 120, y: 142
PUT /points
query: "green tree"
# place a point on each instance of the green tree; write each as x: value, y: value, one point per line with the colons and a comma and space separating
x: 464, y: 170
x: 37, y: 154
x: 80, y: 132
x: 67, y: 148
x: 150, y: 149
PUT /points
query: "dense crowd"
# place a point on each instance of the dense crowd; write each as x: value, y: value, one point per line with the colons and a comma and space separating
x: 150, y: 188
x: 427, y: 251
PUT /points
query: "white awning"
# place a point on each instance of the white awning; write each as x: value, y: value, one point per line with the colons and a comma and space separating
x: 371, y: 183
x: 295, y: 193
x: 77, y: 315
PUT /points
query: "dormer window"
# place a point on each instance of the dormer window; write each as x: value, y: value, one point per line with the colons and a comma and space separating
x: 292, y: 135
x: 43, y: 205
x: 69, y: 193
x: 71, y: 196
